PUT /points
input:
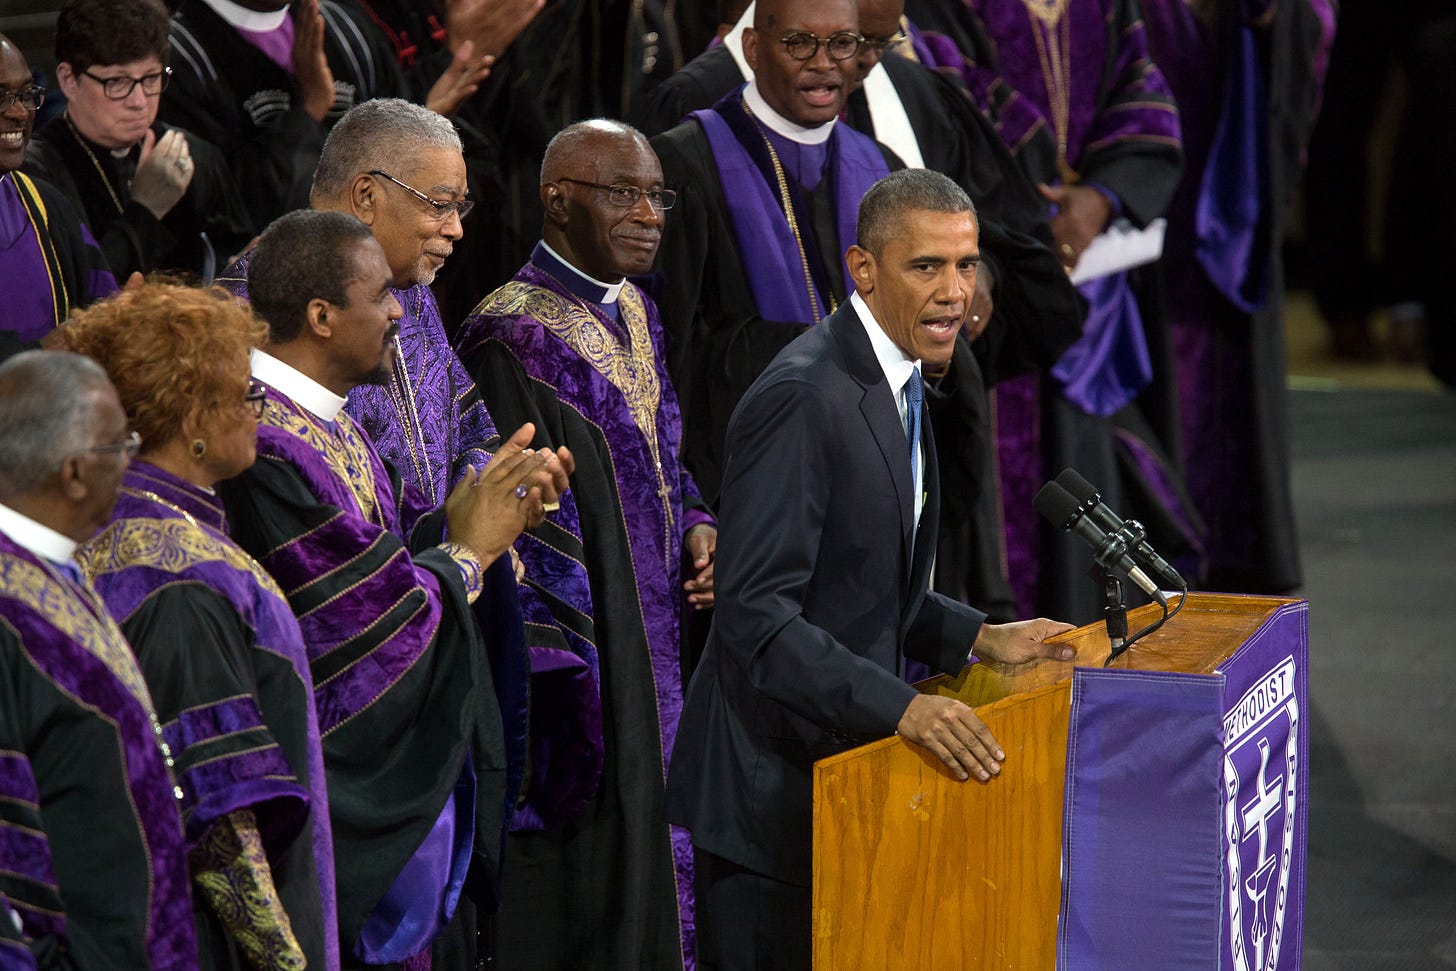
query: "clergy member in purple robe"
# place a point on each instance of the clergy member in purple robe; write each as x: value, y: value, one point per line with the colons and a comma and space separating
x: 398, y: 167
x: 93, y: 862
x: 383, y: 588
x: 768, y: 186
x: 49, y: 262
x: 1089, y: 116
x: 573, y: 347
x: 214, y: 636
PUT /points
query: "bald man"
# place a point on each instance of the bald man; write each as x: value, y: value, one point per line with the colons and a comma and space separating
x: 594, y: 875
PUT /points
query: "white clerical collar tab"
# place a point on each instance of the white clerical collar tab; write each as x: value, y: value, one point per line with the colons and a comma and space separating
x: 778, y: 123
x: 302, y: 389
x: 599, y: 292
x: 36, y: 537
x: 733, y: 40
x: 257, y: 21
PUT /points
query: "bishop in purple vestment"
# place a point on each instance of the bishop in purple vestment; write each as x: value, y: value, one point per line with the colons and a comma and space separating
x: 575, y: 348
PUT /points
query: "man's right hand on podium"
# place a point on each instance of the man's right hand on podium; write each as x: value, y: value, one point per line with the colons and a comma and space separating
x: 953, y: 734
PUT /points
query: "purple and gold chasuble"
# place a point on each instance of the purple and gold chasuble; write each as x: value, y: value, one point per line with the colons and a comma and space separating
x: 226, y: 659
x: 410, y: 726
x: 591, y: 374
x: 94, y: 857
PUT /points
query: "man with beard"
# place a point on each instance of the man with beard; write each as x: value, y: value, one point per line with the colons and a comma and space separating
x: 411, y: 728
x: 573, y: 347
x: 49, y: 262
x: 398, y: 168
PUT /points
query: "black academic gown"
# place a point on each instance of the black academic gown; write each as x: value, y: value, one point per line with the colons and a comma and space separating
x: 132, y: 238
x: 230, y: 93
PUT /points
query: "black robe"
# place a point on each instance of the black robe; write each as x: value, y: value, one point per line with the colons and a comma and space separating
x: 132, y: 238
x: 230, y: 93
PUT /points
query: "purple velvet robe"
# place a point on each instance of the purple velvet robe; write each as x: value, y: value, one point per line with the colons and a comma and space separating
x: 599, y: 385
x: 428, y: 420
x: 402, y: 683
x: 91, y: 838
x: 236, y: 702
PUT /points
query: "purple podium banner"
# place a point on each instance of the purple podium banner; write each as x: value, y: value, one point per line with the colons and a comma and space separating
x: 1184, y: 833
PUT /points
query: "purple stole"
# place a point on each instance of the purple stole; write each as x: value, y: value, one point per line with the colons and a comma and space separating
x: 73, y: 642
x: 164, y: 530
x: 766, y: 242
x: 1233, y: 219
x: 35, y: 289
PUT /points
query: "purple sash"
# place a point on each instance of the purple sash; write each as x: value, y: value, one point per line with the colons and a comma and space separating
x: 1109, y: 363
x: 766, y: 244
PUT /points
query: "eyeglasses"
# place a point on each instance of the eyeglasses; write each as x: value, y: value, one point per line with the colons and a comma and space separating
x: 626, y: 196
x: 840, y: 46
x: 120, y: 88
x: 875, y: 45
x: 256, y: 400
x: 30, y: 97
x: 440, y: 210
x: 131, y: 445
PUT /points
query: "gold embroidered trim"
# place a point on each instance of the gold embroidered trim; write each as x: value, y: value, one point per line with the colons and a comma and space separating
x: 346, y: 453
x: 170, y: 545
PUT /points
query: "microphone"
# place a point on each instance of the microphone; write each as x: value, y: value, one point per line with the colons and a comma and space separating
x: 1142, y: 551
x: 1109, y: 549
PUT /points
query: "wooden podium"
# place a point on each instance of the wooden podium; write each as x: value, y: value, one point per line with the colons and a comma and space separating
x: 914, y: 869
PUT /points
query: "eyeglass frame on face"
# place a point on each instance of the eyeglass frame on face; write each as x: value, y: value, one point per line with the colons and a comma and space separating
x: 256, y: 400
x: 35, y: 92
x: 618, y: 193
x: 440, y: 211
x: 109, y: 86
x: 795, y: 37
x: 888, y: 44
x: 131, y: 445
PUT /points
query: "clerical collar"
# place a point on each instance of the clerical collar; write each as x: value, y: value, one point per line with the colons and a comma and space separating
x: 258, y: 21
x: 893, y: 361
x: 778, y: 123
x: 733, y: 40
x: 36, y: 537
x: 584, y: 286
x: 302, y: 389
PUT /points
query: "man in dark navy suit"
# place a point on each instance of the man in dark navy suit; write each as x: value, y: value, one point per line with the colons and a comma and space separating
x: 830, y: 509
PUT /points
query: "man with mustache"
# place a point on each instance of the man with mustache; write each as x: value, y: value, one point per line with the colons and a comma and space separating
x: 49, y: 263
x: 404, y: 608
x: 573, y: 347
x: 398, y: 168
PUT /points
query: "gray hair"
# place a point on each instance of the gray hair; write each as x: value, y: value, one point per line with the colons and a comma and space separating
x: 571, y: 139
x: 374, y: 136
x: 46, y: 398
x: 883, y: 207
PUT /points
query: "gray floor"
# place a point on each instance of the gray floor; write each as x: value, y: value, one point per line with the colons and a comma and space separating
x: 1375, y: 486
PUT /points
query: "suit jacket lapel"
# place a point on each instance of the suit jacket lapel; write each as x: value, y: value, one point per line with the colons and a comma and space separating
x: 877, y: 405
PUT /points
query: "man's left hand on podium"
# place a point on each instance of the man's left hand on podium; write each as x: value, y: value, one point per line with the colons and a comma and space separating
x: 1022, y: 641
